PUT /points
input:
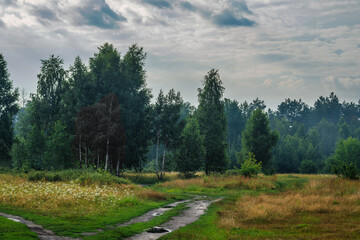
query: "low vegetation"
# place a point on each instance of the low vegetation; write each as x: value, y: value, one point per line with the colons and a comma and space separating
x: 71, y: 207
x: 15, y: 231
x: 324, y: 208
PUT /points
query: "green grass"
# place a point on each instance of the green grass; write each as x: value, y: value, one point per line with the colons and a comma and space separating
x: 10, y: 230
x: 83, y: 176
x: 72, y: 226
x: 136, y: 228
x: 204, y: 228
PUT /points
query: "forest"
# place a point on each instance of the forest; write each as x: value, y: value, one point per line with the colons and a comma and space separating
x: 102, y: 115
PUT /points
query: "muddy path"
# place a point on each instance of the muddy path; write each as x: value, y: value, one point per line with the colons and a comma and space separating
x: 190, y: 215
x: 143, y: 218
x: 195, y: 208
x: 39, y: 230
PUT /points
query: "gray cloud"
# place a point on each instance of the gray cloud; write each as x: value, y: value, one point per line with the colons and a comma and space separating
x: 338, y: 52
x: 44, y: 13
x: 240, y: 6
x: 158, y: 3
x: 2, y: 24
x: 268, y: 58
x: 227, y: 18
x: 8, y: 2
x: 99, y: 14
x: 188, y: 6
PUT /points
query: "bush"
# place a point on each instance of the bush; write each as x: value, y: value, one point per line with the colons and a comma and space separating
x: 250, y: 167
x: 308, y: 166
x: 346, y: 160
x: 82, y: 176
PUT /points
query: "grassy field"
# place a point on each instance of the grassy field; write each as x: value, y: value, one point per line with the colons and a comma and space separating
x: 265, y: 207
x: 15, y: 231
x: 69, y: 207
x: 301, y: 207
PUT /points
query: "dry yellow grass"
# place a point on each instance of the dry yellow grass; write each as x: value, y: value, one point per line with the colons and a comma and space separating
x: 54, y: 197
x: 227, y: 182
x: 332, y: 197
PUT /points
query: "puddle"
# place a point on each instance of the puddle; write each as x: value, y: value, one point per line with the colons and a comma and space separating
x: 157, y: 214
x: 190, y: 215
x: 158, y: 230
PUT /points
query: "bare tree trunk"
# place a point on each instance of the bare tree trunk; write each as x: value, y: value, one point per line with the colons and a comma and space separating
x: 98, y: 160
x: 163, y: 162
x: 80, y: 160
x: 118, y: 166
x: 86, y: 157
x: 108, y: 137
x: 107, y: 154
x: 157, y: 154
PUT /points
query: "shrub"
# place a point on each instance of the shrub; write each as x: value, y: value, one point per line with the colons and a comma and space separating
x: 346, y: 160
x: 308, y: 166
x: 250, y: 167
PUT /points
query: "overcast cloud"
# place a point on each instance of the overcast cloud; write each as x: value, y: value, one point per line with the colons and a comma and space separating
x: 271, y: 49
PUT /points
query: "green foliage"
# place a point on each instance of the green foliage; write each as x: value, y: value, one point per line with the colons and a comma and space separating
x: 346, y: 160
x: 308, y: 166
x: 191, y: 152
x: 10, y: 230
x: 258, y: 138
x: 82, y: 176
x: 8, y: 109
x: 212, y: 122
x: 250, y: 167
x: 57, y: 153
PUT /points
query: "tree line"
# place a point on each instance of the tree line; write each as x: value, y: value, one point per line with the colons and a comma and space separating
x: 100, y: 115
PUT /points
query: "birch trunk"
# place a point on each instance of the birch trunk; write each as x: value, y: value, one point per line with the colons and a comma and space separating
x: 118, y: 166
x: 80, y: 160
x: 107, y: 154
x: 86, y: 156
x: 163, y: 162
x: 157, y: 154
x: 108, y: 137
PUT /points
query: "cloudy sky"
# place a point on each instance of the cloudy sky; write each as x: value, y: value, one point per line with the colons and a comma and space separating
x: 271, y: 49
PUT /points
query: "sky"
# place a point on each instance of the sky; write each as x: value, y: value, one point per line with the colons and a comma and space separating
x: 271, y: 49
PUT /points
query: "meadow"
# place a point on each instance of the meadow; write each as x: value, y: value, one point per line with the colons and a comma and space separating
x: 281, y: 206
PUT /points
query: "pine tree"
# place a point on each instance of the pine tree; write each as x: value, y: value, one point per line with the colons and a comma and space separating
x: 212, y: 120
x: 8, y: 109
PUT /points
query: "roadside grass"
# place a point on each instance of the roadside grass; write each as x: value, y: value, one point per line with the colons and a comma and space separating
x: 233, y: 185
x: 10, y: 230
x: 149, y: 178
x: 325, y: 208
x: 136, y: 228
x: 70, y: 208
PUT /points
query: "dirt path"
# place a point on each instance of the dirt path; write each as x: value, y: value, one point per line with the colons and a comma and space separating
x: 195, y: 210
x: 39, y: 230
x: 190, y: 215
x: 143, y: 218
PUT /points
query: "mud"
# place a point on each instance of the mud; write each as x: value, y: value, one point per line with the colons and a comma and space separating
x: 190, y: 215
x: 38, y: 229
x: 143, y: 218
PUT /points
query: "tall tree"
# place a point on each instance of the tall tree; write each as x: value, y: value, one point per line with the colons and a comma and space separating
x: 190, y: 155
x: 134, y: 99
x: 236, y: 120
x: 293, y: 110
x: 168, y: 123
x: 328, y: 108
x: 8, y: 109
x: 126, y: 77
x: 76, y: 94
x: 212, y: 120
x: 257, y: 137
x: 49, y: 92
